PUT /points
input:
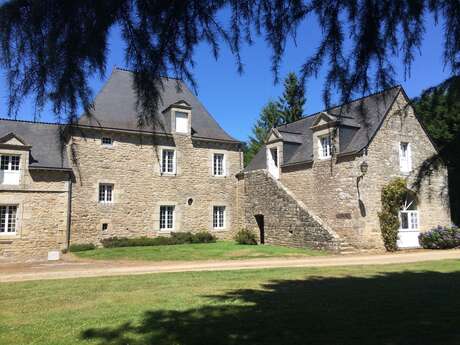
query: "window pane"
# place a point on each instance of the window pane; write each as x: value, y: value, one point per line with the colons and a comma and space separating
x: 15, y: 163
x: 413, y: 220
x: 107, y: 141
x: 218, y: 164
x: 105, y: 192
x: 181, y: 122
x: 167, y: 163
x: 166, y: 217
x: 218, y: 220
x: 4, y: 162
x: 2, y: 218
x: 12, y: 218
x: 404, y: 221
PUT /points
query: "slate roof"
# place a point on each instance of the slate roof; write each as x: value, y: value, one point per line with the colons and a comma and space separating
x: 115, y: 107
x: 360, y: 120
x: 45, y: 139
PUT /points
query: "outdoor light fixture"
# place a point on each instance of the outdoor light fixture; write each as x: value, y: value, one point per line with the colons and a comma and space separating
x: 364, y: 167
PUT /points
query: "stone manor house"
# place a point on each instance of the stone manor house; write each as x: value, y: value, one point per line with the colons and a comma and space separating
x: 316, y: 182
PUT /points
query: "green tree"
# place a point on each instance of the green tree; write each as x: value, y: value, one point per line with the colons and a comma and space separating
x: 293, y: 99
x: 51, y: 48
x: 269, y: 117
x: 439, y: 109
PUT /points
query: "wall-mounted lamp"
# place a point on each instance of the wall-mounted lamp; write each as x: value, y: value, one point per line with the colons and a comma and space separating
x: 363, y: 167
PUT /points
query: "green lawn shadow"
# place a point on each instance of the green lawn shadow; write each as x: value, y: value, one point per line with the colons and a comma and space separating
x: 387, y: 309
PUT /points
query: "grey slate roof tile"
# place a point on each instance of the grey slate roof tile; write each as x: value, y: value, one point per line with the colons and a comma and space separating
x: 47, y: 146
x: 115, y: 107
x: 361, y: 118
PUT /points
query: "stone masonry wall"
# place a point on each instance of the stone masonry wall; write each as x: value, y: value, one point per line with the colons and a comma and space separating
x: 330, y: 188
x: 132, y: 165
x: 41, y: 222
x: 286, y: 221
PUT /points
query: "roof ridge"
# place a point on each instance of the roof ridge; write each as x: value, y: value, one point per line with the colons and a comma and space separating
x: 124, y: 69
x: 343, y: 104
x: 34, y: 122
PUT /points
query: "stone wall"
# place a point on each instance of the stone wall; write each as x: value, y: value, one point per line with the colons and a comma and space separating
x: 286, y: 221
x: 132, y: 165
x: 41, y: 220
x: 331, y: 190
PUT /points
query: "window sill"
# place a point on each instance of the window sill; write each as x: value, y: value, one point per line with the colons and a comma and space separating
x: 7, y: 239
x: 165, y: 231
x: 168, y: 174
x: 219, y: 229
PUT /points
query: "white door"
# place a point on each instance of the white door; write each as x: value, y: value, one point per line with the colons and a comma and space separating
x: 273, y: 162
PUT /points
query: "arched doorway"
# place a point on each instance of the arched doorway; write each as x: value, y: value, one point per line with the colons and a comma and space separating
x: 409, y: 223
x: 260, y: 223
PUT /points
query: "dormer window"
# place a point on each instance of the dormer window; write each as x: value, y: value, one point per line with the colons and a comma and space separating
x: 107, y: 141
x: 182, y: 119
x: 9, y: 166
x: 325, y: 147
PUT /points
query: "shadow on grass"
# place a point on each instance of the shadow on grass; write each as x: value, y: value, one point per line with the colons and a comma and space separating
x: 391, y: 308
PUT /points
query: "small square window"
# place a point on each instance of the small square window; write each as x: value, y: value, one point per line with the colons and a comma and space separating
x: 105, y: 226
x: 107, y: 141
x: 105, y: 193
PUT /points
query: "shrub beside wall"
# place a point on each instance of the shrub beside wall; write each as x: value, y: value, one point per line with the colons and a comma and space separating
x: 392, y: 198
x: 440, y: 238
x: 81, y: 247
x: 175, y: 238
x: 245, y: 236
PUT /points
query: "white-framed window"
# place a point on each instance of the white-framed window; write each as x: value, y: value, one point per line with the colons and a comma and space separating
x: 168, y: 161
x: 218, y: 217
x: 9, y: 167
x: 405, y: 157
x: 181, y: 122
x: 408, y: 215
x: 8, y: 219
x: 218, y: 167
x: 325, y: 147
x: 107, y: 141
x: 167, y: 217
x: 105, y: 193
x: 274, y: 153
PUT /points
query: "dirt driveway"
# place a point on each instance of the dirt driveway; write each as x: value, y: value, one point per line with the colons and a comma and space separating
x: 79, y: 268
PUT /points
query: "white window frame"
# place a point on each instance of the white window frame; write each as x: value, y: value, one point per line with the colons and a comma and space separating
x: 405, y: 162
x: 164, y: 224
x: 11, y: 174
x: 105, y: 193
x: 219, y: 219
x: 413, y: 221
x: 215, y: 171
x: 186, y: 123
x: 164, y: 164
x: 8, y: 217
x: 324, y: 152
x: 107, y: 144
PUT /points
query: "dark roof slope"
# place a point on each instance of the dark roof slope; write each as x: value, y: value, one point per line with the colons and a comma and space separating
x: 115, y: 107
x: 362, y: 116
x: 48, y: 150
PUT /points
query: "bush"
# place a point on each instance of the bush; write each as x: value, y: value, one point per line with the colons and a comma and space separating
x: 392, y: 197
x: 245, y: 236
x: 204, y: 237
x: 175, y: 238
x: 440, y: 238
x: 81, y: 247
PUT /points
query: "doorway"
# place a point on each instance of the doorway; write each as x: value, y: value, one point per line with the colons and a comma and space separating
x: 260, y: 224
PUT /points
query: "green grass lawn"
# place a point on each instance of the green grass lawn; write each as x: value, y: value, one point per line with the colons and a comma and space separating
x: 385, y: 305
x: 221, y: 250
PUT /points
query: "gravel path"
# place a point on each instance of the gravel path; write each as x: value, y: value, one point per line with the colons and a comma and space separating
x: 79, y: 268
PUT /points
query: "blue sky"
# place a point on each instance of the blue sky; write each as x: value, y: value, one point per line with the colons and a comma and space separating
x: 235, y: 100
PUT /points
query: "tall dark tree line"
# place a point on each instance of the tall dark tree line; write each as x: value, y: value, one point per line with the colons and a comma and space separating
x: 439, y: 109
x: 50, y: 48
